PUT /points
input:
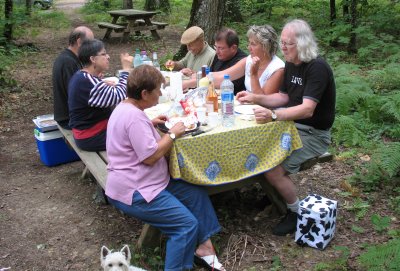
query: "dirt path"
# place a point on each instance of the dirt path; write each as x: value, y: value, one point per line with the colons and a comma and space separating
x: 48, y: 220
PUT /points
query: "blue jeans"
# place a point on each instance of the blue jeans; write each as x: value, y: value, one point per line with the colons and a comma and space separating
x: 184, y: 213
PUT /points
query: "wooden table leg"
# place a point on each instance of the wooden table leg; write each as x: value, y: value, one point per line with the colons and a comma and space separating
x: 109, y: 30
x: 153, y: 32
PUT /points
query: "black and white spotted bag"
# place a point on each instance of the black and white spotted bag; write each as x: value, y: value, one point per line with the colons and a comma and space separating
x: 316, y: 221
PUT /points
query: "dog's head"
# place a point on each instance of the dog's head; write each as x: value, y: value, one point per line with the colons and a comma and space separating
x: 115, y: 261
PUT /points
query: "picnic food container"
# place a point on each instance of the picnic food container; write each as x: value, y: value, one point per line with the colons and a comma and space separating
x: 316, y: 221
x: 50, y: 142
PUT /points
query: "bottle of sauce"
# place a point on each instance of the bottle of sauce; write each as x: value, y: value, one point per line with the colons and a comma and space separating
x: 204, y: 82
x: 212, y: 96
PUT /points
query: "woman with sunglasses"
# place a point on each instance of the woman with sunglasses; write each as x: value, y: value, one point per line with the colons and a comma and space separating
x: 90, y: 99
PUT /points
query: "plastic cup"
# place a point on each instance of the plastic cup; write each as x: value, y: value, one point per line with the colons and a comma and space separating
x: 213, y: 119
x: 201, y: 114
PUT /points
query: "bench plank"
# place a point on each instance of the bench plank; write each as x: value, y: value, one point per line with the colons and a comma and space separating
x: 92, y: 160
x: 115, y: 27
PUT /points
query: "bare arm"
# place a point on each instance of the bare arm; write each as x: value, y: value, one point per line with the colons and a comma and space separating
x: 301, y: 111
x: 165, y: 144
x: 271, y: 86
x: 235, y: 72
x: 271, y: 100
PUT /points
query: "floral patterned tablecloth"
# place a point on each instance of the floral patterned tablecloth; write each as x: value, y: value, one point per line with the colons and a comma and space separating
x: 225, y: 155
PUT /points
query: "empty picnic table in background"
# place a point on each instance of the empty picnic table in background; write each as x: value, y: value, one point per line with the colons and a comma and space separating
x: 131, y: 20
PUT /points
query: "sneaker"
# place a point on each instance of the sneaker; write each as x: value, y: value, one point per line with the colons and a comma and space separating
x: 287, y: 225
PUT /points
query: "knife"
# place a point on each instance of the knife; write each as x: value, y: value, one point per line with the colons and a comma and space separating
x: 201, y: 131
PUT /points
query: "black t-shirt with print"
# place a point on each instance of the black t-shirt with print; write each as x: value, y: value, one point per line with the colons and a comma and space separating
x: 313, y: 80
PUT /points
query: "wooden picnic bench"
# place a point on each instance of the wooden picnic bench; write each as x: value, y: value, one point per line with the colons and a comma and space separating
x: 96, y: 163
x: 132, y: 21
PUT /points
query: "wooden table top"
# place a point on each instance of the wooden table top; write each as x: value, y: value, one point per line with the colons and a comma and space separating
x: 132, y: 13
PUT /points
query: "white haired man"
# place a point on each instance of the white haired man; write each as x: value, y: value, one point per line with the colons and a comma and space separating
x: 307, y: 96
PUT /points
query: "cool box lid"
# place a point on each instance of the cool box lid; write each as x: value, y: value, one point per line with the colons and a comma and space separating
x: 45, y: 123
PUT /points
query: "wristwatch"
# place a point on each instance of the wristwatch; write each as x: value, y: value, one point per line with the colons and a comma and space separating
x: 273, y: 115
x: 172, y: 136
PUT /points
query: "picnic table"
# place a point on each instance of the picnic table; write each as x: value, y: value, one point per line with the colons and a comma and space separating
x: 131, y: 20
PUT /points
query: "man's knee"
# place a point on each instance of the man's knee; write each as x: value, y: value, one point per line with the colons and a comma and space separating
x: 274, y: 175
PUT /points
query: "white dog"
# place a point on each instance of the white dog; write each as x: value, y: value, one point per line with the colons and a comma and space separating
x: 117, y: 261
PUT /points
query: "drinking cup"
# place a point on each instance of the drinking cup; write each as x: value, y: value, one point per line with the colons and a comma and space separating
x: 201, y: 114
x: 213, y: 119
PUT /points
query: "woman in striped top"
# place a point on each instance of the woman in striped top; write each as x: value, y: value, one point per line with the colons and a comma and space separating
x: 91, y: 99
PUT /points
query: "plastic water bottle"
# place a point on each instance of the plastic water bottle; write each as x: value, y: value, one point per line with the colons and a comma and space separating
x: 156, y: 64
x: 145, y: 59
x: 227, y: 96
x: 137, y: 60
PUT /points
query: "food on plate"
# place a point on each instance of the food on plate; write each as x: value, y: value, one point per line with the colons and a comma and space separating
x: 190, y: 122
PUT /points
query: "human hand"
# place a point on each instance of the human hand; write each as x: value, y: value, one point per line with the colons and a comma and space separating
x: 178, y: 129
x: 245, y: 97
x: 255, y: 66
x: 109, y: 82
x: 187, y: 72
x: 262, y: 115
x: 161, y: 119
x: 126, y: 61
x: 170, y: 64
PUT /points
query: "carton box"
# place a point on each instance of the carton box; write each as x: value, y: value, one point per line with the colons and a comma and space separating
x: 52, y: 148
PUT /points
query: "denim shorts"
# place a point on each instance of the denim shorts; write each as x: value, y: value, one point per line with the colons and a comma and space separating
x: 315, y: 143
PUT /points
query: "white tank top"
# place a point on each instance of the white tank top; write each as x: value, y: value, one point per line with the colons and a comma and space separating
x: 275, y: 64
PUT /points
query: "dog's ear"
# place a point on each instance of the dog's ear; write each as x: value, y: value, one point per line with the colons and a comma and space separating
x: 126, y: 251
x: 104, y: 252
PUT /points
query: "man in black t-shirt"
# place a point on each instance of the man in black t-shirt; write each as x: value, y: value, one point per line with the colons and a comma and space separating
x: 65, y: 65
x: 228, y: 54
x: 308, y: 95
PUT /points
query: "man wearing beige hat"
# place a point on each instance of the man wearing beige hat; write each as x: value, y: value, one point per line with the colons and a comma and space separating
x: 200, y: 53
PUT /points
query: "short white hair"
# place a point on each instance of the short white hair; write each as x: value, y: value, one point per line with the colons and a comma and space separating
x: 306, y: 43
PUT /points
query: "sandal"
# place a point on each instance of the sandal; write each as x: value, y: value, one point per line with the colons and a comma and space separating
x: 209, y: 262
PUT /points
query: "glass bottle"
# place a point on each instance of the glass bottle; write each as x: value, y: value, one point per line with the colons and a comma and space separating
x: 156, y: 64
x: 212, y: 96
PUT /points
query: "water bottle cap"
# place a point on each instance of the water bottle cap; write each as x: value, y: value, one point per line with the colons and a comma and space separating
x: 207, y: 70
x: 226, y: 76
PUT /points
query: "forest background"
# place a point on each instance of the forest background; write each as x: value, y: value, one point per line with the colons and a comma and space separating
x: 360, y: 40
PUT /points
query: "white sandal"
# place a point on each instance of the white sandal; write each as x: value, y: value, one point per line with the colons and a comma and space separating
x: 210, y: 262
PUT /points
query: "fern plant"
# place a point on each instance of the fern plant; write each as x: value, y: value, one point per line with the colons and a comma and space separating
x: 382, y: 257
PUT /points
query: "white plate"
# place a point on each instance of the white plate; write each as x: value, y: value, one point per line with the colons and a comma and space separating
x: 246, y: 109
x: 113, y: 79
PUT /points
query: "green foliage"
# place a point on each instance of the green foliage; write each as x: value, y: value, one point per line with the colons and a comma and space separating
x: 337, y: 264
x: 395, y: 200
x: 152, y: 259
x: 386, y: 79
x: 357, y: 229
x: 382, y: 257
x: 380, y: 223
x: 276, y: 264
x: 359, y: 207
x: 384, y: 167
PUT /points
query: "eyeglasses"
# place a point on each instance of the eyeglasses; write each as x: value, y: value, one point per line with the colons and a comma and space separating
x: 287, y: 44
x: 221, y: 49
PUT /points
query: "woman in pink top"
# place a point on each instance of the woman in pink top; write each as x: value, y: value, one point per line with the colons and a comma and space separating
x: 139, y: 183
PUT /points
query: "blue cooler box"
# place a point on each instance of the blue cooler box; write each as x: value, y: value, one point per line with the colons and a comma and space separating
x: 52, y: 148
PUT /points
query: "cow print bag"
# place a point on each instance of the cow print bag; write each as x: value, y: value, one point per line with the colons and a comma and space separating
x: 316, y: 221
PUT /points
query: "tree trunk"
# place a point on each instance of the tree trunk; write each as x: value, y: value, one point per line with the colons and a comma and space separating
x: 332, y: 4
x: 157, y: 4
x: 352, y: 46
x: 207, y: 14
x: 165, y: 6
x: 127, y: 4
x: 28, y: 7
x: 232, y: 11
x: 8, y: 26
x: 151, y: 4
